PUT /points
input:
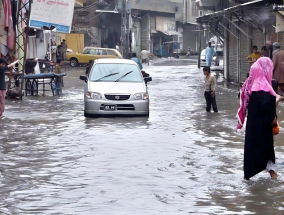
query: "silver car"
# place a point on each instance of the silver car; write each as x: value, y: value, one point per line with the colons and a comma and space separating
x: 116, y: 87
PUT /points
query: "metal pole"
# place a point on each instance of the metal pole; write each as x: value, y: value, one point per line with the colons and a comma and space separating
x: 23, y: 47
x: 238, y: 59
x: 123, y: 22
x: 199, y: 48
x: 124, y: 30
x: 226, y: 53
x: 127, y: 34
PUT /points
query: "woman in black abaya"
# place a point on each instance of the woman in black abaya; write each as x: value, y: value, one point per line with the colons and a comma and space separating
x: 258, y: 100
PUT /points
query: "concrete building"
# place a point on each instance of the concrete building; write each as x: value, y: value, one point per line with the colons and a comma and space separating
x: 99, y: 22
x: 187, y: 26
x: 151, y: 23
x: 154, y: 23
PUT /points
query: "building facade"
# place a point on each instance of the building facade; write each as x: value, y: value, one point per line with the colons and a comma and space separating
x: 240, y: 27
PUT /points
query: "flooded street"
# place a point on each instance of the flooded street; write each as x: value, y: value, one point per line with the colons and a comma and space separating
x: 180, y: 160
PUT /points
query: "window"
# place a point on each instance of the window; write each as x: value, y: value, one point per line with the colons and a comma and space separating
x: 101, y: 52
x: 87, y: 51
x: 98, y: 52
x: 99, y: 71
x: 219, y: 53
x: 92, y: 51
x: 110, y: 52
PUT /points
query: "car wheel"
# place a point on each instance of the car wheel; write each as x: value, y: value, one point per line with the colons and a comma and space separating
x: 73, y: 62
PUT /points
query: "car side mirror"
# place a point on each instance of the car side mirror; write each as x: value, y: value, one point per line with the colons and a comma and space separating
x: 83, y: 78
x: 147, y: 79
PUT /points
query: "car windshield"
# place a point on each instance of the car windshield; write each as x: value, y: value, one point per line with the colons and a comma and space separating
x: 104, y: 72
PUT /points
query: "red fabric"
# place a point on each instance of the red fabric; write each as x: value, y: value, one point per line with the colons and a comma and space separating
x: 9, y: 25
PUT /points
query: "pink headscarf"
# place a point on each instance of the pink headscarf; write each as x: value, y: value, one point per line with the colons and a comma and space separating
x: 259, y: 80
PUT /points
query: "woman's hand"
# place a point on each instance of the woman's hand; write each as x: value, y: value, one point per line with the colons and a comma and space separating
x: 274, y: 122
x: 12, y: 64
x: 278, y: 99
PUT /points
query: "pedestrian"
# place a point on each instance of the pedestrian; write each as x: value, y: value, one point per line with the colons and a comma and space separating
x: 58, y: 80
x: 278, y: 67
x: 258, y: 101
x: 269, y: 49
x: 59, y: 51
x: 89, y: 67
x: 209, y: 53
x: 64, y: 50
x: 253, y: 57
x: 263, y: 52
x: 53, y: 51
x: 137, y: 61
x: 145, y: 56
x: 276, y: 48
x: 117, y: 47
x: 3, y: 67
x: 210, y: 87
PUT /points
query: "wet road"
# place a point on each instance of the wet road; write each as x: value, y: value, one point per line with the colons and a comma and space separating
x: 180, y: 160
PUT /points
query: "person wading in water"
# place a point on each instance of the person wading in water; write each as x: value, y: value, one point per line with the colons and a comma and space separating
x: 3, y: 67
x: 258, y: 100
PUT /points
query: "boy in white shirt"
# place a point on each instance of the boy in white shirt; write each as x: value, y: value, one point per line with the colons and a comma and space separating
x: 210, y: 87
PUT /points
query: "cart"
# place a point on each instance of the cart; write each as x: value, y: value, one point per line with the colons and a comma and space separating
x: 33, y: 82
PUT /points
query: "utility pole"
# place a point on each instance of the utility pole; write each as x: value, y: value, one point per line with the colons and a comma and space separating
x: 127, y: 30
x: 124, y: 29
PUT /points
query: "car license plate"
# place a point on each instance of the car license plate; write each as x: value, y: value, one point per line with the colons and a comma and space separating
x: 110, y: 107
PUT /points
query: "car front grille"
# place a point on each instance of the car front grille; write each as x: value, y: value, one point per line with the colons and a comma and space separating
x: 117, y: 97
x: 125, y: 107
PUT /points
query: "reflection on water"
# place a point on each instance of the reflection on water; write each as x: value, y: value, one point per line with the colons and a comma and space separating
x: 179, y: 160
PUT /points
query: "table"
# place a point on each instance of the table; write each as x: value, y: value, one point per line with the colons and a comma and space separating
x: 33, y: 81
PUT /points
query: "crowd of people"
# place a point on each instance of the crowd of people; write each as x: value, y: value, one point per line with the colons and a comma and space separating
x: 273, y: 52
x: 58, y: 52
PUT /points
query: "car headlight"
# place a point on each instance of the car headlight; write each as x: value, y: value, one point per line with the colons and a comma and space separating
x: 141, y: 96
x: 91, y: 95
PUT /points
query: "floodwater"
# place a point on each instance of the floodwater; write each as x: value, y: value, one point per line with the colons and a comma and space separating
x: 180, y: 160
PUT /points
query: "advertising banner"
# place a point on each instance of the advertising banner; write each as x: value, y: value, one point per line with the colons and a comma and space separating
x: 58, y: 13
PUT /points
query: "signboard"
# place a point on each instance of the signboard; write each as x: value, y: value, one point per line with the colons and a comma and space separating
x: 165, y: 23
x: 58, y: 13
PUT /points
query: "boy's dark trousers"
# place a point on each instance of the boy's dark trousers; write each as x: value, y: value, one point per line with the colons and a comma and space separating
x: 210, y: 101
